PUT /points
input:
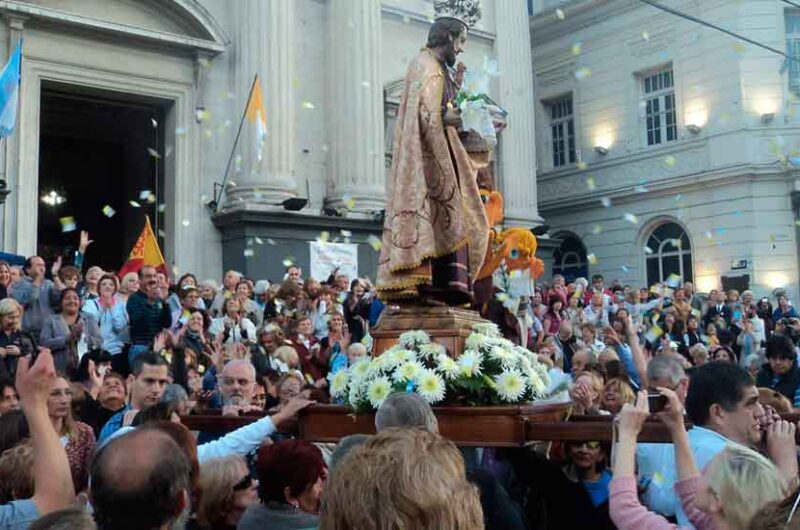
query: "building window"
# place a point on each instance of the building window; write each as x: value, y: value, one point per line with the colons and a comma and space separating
x: 562, y: 131
x: 658, y: 93
x: 793, y: 49
x: 569, y: 259
x: 668, y: 253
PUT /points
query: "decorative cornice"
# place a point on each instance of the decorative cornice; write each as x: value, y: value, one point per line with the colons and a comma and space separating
x: 234, y: 219
x: 546, y: 26
x: 212, y: 45
x: 417, y: 18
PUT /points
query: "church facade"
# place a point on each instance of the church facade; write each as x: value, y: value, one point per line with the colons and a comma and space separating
x: 132, y: 107
x: 664, y: 147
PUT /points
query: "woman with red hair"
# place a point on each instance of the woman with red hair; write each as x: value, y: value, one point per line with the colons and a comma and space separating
x: 291, y: 475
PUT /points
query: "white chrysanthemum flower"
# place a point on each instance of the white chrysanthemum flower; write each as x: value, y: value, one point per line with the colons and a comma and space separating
x: 448, y: 367
x: 431, y: 350
x: 537, y: 385
x: 477, y: 341
x: 525, y: 363
x: 408, y: 371
x: 396, y: 357
x: 510, y: 385
x: 378, y: 390
x: 356, y: 393
x: 506, y: 358
x: 470, y: 363
x: 488, y: 329
x: 361, y: 369
x: 338, y: 383
x: 431, y: 386
x: 414, y: 339
x: 543, y: 372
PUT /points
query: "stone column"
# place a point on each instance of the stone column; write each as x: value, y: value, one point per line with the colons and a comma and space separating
x: 357, y: 172
x: 15, y: 216
x: 265, y: 46
x: 517, y: 142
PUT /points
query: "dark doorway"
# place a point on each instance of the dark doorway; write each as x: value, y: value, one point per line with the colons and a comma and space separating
x: 97, y: 152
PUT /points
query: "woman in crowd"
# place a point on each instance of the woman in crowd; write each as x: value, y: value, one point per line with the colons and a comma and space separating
x: 692, y: 335
x: 13, y: 342
x: 616, y: 393
x: 109, y: 312
x: 77, y: 437
x: 322, y: 308
x: 233, y: 326
x: 735, y: 485
x: 338, y: 338
x: 92, y: 368
x: 356, y: 310
x: 263, y: 354
x: 587, y: 465
x: 228, y: 490
x: 187, y: 280
x: 288, y: 356
x: 9, y: 399
x: 69, y: 334
x: 91, y: 283
x: 764, y: 312
x: 291, y: 477
x: 208, y: 291
x: 554, y: 316
x: 711, y: 339
x: 587, y: 392
x: 313, y: 360
x: 127, y: 286
x: 723, y: 354
x: 99, y: 405
x: 784, y: 309
x: 194, y: 336
x: 402, y: 478
x: 188, y: 300
x: 5, y: 278
x: 244, y: 292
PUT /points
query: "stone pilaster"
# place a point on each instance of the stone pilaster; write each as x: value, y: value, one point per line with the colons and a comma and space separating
x: 356, y: 134
x: 518, y: 147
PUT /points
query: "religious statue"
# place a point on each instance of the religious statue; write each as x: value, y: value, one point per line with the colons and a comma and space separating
x: 435, y: 233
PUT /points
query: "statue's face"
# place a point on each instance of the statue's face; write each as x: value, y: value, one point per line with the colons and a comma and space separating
x: 457, y: 46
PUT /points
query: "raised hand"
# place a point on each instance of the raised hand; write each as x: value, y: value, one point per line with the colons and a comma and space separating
x: 33, y: 382
x: 632, y: 417
x: 84, y: 242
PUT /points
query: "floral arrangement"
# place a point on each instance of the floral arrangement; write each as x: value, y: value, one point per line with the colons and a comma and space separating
x: 478, y: 112
x: 491, y: 371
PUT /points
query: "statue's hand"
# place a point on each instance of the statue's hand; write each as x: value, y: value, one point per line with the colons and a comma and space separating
x: 452, y: 118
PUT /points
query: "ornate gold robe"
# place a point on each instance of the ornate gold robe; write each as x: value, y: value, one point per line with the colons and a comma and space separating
x: 433, y: 205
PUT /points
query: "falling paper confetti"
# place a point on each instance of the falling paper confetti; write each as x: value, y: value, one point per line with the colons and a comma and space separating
x: 180, y: 131
x: 646, y: 36
x: 583, y: 73
x: 596, y: 229
x: 346, y: 233
x: 154, y: 122
x: 591, y: 258
x: 248, y: 253
x: 624, y: 268
x: 67, y: 224
x: 374, y: 242
x: 739, y: 47
x: 185, y: 222
x: 670, y: 161
x: 287, y: 262
x: 161, y: 233
x: 674, y: 280
x: 658, y: 478
x: 606, y: 202
x: 709, y: 235
x: 678, y: 198
x: 153, y: 153
x: 161, y: 207
x: 258, y: 240
x: 134, y: 204
x: 648, y: 250
x: 560, y: 14
x: 308, y: 105
x: 582, y: 165
x: 641, y: 188
x: 590, y: 183
x: 144, y: 194
x: 108, y: 211
x: 630, y: 218
x: 576, y: 48
x: 271, y: 241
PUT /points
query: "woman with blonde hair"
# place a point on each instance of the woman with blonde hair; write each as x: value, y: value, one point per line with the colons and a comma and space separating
x: 13, y: 342
x: 127, y: 286
x: 401, y: 478
x: 5, y: 278
x: 616, y: 393
x: 227, y: 490
x: 76, y: 437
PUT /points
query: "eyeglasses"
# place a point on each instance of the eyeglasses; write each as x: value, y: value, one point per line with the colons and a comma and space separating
x: 245, y: 484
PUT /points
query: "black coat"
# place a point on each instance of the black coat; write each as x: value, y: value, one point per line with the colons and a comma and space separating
x: 787, y: 383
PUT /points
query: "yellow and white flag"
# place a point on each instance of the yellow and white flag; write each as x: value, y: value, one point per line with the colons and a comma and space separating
x: 256, y: 114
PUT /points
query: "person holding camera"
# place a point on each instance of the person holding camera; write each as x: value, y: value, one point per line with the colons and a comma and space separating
x: 781, y: 372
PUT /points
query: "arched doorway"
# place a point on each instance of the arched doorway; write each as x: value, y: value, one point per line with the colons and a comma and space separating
x: 569, y: 259
x: 668, y: 253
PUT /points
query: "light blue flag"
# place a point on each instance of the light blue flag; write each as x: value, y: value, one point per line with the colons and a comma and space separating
x: 9, y: 92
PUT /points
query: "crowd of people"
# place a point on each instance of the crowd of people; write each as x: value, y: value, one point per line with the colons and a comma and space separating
x: 96, y: 372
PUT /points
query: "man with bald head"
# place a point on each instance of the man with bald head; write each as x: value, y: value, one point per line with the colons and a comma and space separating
x: 140, y: 480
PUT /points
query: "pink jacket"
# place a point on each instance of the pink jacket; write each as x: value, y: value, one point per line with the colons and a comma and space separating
x: 628, y: 513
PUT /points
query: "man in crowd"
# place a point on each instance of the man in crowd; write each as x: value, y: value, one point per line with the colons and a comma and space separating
x: 598, y: 286
x: 294, y: 274
x: 148, y: 379
x: 9, y: 399
x: 717, y: 308
x: 781, y: 373
x: 53, y: 489
x: 147, y: 313
x: 682, y: 308
x: 37, y: 296
x: 229, y: 283
x: 694, y: 300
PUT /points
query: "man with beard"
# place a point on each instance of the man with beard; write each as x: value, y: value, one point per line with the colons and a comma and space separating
x: 435, y: 232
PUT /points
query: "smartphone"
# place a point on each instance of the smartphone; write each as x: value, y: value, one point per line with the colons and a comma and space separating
x: 656, y: 402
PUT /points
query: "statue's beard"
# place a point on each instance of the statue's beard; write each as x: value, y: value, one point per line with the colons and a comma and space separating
x: 450, y: 58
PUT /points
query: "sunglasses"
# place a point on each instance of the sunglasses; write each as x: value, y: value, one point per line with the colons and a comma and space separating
x: 245, y: 484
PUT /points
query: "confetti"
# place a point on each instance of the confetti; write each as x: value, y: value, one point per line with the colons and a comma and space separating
x: 709, y: 235
x: 168, y: 151
x: 108, y: 211
x: 583, y: 73
x: 560, y: 14
x: 248, y: 253
x: 630, y: 218
x: 677, y: 243
x: 653, y: 334
x: 153, y: 153
x: 577, y: 48
x: 271, y: 241
x: 591, y: 258
x: 134, y: 204
x: 202, y: 115
x: 739, y: 47
x: 308, y: 105
x: 144, y: 194
x: 346, y: 233
x: 582, y: 165
x: 670, y: 161
x: 406, y: 19
x: 606, y: 202
x: 624, y: 268
x: 365, y: 84
x: 648, y: 250
x: 501, y: 297
x: 67, y: 224
x: 287, y: 262
x: 258, y: 240
x: 185, y: 222
x: 596, y: 229
x: 641, y: 188
x: 678, y: 198
x: 646, y: 36
x: 231, y: 184
x: 375, y: 242
x: 180, y: 131
x: 674, y: 280
x: 161, y: 233
x: 591, y: 183
x: 161, y: 207
x: 154, y: 122
x: 658, y: 478
x: 151, y: 199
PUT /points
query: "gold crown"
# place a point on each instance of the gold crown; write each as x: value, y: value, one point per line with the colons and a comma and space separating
x: 467, y: 12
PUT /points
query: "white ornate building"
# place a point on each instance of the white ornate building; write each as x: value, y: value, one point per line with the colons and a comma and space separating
x: 140, y: 100
x: 652, y: 129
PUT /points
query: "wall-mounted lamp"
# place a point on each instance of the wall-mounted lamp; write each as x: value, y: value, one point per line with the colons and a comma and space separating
x: 767, y: 117
x: 600, y: 150
x: 694, y: 129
